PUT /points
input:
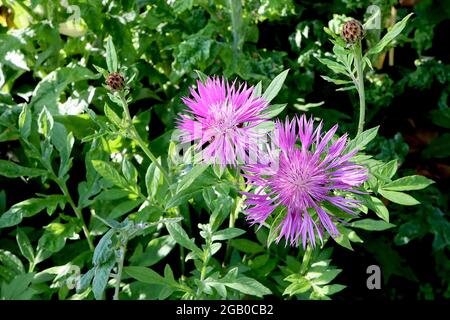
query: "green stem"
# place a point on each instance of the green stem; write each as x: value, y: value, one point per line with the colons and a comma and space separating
x: 135, y: 135
x: 360, y: 87
x: 306, y: 259
x: 233, y: 216
x: 119, y: 271
x: 77, y: 211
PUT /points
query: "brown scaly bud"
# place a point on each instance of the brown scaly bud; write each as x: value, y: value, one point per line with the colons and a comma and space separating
x: 115, y: 81
x: 352, y: 31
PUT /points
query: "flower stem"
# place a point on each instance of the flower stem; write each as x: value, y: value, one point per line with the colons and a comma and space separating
x: 306, y: 259
x: 135, y: 135
x: 360, y: 86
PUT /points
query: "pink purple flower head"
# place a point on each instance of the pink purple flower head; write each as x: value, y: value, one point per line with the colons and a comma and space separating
x: 221, y: 121
x: 312, y: 168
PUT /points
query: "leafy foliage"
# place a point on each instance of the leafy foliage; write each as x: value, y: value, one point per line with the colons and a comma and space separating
x: 92, y: 185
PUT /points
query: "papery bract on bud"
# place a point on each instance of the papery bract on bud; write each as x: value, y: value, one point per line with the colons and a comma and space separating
x: 222, y: 121
x: 317, y: 170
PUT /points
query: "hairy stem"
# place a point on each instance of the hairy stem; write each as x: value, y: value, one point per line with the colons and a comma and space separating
x: 360, y: 86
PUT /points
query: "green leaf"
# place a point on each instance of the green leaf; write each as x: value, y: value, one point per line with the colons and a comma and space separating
x: 181, y: 237
x: 258, y: 89
x: 153, y: 179
x: 362, y: 139
x: 145, y: 275
x: 202, y: 77
x: 248, y: 286
x: 275, y: 86
x: 45, y: 123
x: 11, y: 170
x: 25, y: 122
x: 111, y: 55
x: 346, y: 237
x: 247, y: 246
x: 439, y: 147
x: 18, y: 288
x: 11, y: 262
x: 336, y: 81
x: 29, y: 208
x: 48, y: 91
x: 389, y: 169
x: 179, y: 6
x: 112, y: 116
x: 109, y: 173
x: 377, y: 206
x: 372, y: 225
x: 24, y: 245
x: 190, y: 177
x: 414, y: 182
x: 335, y: 66
x: 399, y: 197
x: 103, y: 250
x: 101, y: 277
x: 393, y: 32
x: 273, y: 110
x: 441, y: 117
x: 226, y: 234
x: 157, y: 249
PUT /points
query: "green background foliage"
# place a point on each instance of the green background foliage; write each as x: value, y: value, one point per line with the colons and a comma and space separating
x: 78, y: 191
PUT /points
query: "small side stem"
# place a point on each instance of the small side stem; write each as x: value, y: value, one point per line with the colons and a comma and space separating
x: 360, y: 87
x: 77, y: 211
x: 123, y: 249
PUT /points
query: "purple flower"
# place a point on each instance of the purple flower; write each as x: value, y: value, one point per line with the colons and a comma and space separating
x: 316, y: 171
x: 222, y: 121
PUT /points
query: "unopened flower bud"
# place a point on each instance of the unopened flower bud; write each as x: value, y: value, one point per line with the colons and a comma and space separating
x: 352, y: 31
x: 115, y: 81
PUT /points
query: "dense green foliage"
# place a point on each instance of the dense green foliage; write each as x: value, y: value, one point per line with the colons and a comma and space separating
x: 83, y: 187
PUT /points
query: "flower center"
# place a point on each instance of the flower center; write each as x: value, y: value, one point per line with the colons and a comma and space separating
x: 223, y: 118
x: 297, y: 181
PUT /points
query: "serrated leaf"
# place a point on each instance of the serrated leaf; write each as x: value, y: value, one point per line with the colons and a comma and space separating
x: 29, y: 208
x: 108, y: 172
x: 181, y: 237
x: 12, y: 170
